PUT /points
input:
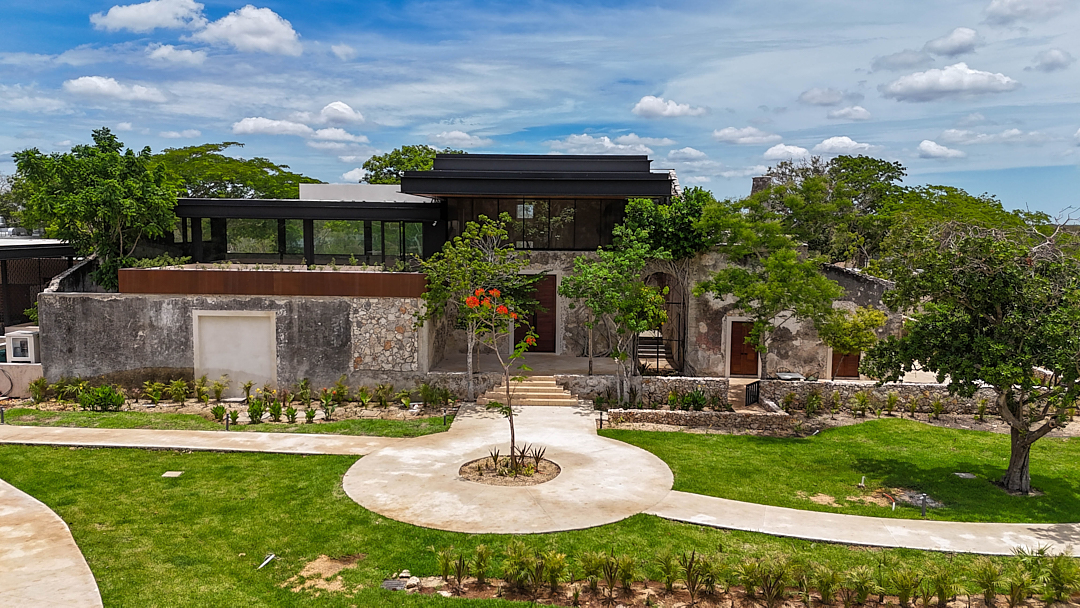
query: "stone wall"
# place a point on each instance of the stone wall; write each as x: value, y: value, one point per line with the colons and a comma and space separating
x: 586, y: 387
x: 776, y: 390
x: 772, y: 424
x: 383, y: 336
x: 655, y: 389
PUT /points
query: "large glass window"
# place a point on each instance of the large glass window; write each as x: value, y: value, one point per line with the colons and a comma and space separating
x: 587, y: 224
x: 414, y: 238
x: 342, y: 238
x: 534, y: 224
x: 391, y: 239
x: 562, y: 224
x: 249, y: 236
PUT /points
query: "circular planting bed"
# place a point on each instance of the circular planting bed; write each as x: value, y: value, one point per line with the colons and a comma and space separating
x: 482, y: 470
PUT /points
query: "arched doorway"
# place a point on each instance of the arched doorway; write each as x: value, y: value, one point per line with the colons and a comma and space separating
x: 663, y: 351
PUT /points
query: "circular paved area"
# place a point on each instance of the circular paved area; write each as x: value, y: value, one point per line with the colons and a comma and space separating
x: 602, y: 480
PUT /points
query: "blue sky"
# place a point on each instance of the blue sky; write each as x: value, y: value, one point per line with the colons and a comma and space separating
x: 982, y: 94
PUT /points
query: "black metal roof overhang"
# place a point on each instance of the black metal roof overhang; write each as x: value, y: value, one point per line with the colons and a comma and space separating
x: 295, y: 209
x: 36, y: 250
x: 536, y: 184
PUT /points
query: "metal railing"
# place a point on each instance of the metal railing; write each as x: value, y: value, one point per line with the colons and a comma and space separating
x: 753, y: 392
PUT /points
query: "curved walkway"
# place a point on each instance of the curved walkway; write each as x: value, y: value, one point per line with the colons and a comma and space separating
x: 602, y: 480
x: 40, y: 564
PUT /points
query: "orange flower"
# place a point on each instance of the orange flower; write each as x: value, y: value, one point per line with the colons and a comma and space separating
x: 479, y: 292
x: 502, y: 309
x: 472, y: 301
x: 531, y: 341
x: 495, y: 292
x: 486, y: 302
x: 513, y: 315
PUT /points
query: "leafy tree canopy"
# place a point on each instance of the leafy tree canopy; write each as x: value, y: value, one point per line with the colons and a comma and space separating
x: 205, y: 172
x: 388, y: 168
x: 993, y: 306
x: 852, y: 332
x: 101, y: 199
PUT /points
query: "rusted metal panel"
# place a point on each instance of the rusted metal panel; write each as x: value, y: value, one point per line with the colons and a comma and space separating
x: 272, y: 283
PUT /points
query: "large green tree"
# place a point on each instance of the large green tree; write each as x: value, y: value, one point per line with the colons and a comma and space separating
x: 481, y: 258
x: 996, y: 307
x: 388, y: 168
x: 100, y: 198
x: 205, y: 172
x: 768, y: 277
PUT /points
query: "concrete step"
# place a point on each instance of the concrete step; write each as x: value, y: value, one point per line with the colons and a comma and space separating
x: 528, y: 389
x: 549, y: 402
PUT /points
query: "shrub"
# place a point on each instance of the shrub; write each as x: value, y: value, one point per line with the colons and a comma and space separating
x: 555, y: 566
x: 749, y: 575
x: 913, y: 406
x: 826, y: 580
x: 178, y: 391
x: 1061, y: 580
x: 981, y: 415
x: 274, y: 407
x: 986, y: 575
x: 694, y: 400
x: 693, y: 575
x: 788, y: 402
x: 309, y: 414
x: 937, y: 406
x: 247, y: 390
x: 673, y: 400
x: 774, y: 577
x: 592, y: 563
x: 860, y: 403
x: 328, y: 404
x: 383, y: 394
x: 101, y: 399
x: 341, y: 390
x: 303, y: 391
x: 219, y: 386
x: 39, y: 390
x: 891, y: 402
x: 290, y: 414
x: 256, y: 409
x: 234, y: 416
x: 200, y: 388
x: 481, y: 563
x: 1018, y: 585
x: 813, y: 403
x: 218, y: 412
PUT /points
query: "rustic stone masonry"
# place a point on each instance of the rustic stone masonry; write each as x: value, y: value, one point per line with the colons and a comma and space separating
x: 766, y: 423
x: 383, y: 337
x: 655, y: 389
x: 776, y: 390
x: 586, y: 387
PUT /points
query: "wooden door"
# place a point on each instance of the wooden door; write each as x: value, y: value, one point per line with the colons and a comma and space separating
x: 744, y: 357
x: 845, y: 365
x: 542, y: 322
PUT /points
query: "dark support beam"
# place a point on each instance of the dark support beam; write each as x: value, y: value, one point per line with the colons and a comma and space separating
x: 7, y: 294
x: 281, y: 240
x: 434, y: 237
x: 196, y: 240
x: 367, y: 237
x: 309, y: 241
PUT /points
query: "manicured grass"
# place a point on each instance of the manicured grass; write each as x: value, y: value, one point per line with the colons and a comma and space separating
x: 891, y: 453
x: 194, y: 422
x: 196, y: 540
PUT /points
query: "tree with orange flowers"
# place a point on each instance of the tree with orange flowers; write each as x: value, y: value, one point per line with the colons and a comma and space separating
x: 494, y: 318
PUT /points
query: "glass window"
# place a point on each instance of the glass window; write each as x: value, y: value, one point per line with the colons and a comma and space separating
x: 376, y: 238
x: 587, y: 224
x: 414, y: 238
x: 294, y: 237
x: 392, y: 239
x: 534, y: 224
x: 562, y: 225
x: 248, y: 235
x: 339, y: 238
x: 485, y: 206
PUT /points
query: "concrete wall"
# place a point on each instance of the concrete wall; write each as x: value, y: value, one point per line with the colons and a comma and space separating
x: 20, y: 375
x: 131, y: 338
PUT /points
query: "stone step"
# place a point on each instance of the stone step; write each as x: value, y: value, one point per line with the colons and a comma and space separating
x: 545, y: 401
x: 528, y: 389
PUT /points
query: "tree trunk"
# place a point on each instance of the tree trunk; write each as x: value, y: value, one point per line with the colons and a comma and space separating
x: 469, y: 395
x: 1018, y: 477
x: 591, y: 323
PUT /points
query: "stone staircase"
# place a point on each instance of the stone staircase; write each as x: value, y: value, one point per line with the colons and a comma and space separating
x: 533, y: 390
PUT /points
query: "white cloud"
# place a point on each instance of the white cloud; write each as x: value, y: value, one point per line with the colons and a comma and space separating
x: 634, y: 138
x: 17, y: 98
x: 354, y: 158
x: 953, y: 81
x: 907, y: 59
x: 344, y: 52
x: 745, y: 171
x: 1052, y: 60
x: 745, y: 136
x: 785, y: 152
x: 185, y: 134
x: 102, y: 87
x: 355, y: 175
x: 330, y: 146
x: 340, y: 113
x: 695, y: 179
x: 686, y: 154
x: 257, y: 125
x: 975, y: 118
x: 850, y: 113
x: 147, y: 16
x: 957, y: 42
x: 123, y: 126
x: 835, y: 146
x: 1007, y: 12
x: 459, y: 139
x: 587, y: 144
x: 1008, y: 136
x: 338, y: 134
x: 171, y: 54
x: 822, y: 97
x: 930, y: 149
x: 251, y: 29
x: 658, y: 107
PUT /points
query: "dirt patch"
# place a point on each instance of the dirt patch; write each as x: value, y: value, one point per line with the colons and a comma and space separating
x: 320, y: 574
x: 821, y: 499
x: 879, y: 498
x: 482, y: 470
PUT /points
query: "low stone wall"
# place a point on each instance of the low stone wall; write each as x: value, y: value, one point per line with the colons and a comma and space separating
x: 655, y: 389
x: 780, y: 424
x: 776, y: 390
x: 586, y: 387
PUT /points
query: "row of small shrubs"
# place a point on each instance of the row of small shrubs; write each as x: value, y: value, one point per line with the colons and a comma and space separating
x: 103, y: 398
x: 863, y: 402
x: 695, y: 400
x: 771, y: 580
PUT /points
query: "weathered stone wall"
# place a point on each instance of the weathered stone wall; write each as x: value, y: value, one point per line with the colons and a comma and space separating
x: 776, y: 390
x: 655, y: 389
x: 129, y: 338
x: 778, y: 424
x: 586, y: 387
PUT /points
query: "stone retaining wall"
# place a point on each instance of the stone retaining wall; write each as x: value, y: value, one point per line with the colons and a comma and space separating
x: 655, y: 389
x: 776, y: 390
x: 781, y: 424
x: 586, y: 387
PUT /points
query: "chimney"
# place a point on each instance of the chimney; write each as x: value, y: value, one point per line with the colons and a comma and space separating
x: 762, y: 182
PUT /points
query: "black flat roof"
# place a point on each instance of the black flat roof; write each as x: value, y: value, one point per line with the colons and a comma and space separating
x: 539, y: 175
x: 296, y: 209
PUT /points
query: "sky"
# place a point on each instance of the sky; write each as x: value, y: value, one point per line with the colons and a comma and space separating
x: 983, y: 94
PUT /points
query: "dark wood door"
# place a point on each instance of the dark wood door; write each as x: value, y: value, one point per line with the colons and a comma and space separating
x: 845, y: 365
x: 744, y: 357
x: 542, y: 322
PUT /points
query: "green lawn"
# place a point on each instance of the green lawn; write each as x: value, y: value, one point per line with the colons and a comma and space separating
x: 194, y: 422
x: 891, y: 453
x: 196, y: 540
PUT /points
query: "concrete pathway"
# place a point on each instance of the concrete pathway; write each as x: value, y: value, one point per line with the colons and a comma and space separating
x: 218, y: 441
x: 602, y: 480
x: 959, y: 537
x: 40, y: 564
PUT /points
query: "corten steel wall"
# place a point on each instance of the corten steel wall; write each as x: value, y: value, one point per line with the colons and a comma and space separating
x: 273, y: 283
x: 130, y: 338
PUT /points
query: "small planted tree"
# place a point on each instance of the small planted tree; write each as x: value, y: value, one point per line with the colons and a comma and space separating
x: 494, y: 320
x: 849, y: 333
